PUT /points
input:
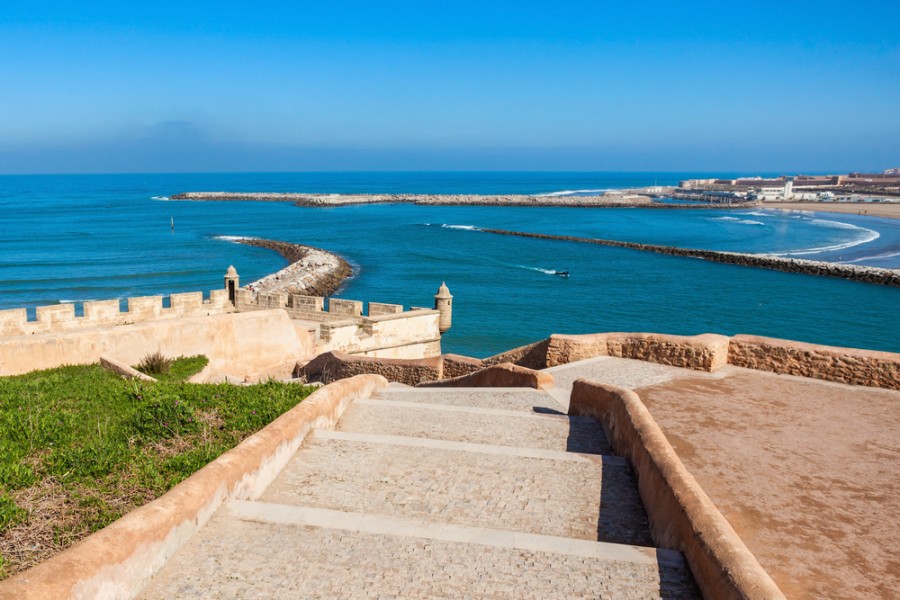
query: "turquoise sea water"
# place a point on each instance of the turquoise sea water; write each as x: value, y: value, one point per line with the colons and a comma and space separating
x: 75, y: 238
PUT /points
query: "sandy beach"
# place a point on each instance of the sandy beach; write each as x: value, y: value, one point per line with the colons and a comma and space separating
x: 311, y: 272
x: 870, y: 209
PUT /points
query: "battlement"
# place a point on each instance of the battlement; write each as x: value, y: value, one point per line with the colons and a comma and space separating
x: 108, y: 313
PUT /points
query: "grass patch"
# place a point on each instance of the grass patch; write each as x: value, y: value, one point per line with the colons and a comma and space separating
x: 79, y: 446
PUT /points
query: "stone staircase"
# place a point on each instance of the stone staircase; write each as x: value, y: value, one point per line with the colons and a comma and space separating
x: 437, y: 493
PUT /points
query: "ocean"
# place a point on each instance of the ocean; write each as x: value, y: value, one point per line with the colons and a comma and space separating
x: 70, y: 238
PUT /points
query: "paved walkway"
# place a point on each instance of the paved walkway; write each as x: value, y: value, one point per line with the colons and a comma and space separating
x: 438, y: 494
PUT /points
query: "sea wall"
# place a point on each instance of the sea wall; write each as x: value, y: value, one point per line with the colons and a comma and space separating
x: 864, y: 274
x: 681, y: 515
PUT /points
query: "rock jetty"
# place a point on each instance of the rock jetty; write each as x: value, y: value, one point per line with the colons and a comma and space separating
x: 312, y: 272
x: 890, y: 277
x: 611, y: 199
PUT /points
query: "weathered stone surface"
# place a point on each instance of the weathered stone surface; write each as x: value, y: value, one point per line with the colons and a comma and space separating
x: 843, y: 365
x: 332, y: 366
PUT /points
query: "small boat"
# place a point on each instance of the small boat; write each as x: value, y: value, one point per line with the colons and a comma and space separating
x: 563, y: 273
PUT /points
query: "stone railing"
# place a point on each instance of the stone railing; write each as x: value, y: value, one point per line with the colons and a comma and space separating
x: 709, y: 352
x: 681, y: 514
x: 107, y: 313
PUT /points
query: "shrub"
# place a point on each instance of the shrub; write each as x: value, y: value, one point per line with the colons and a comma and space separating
x: 155, y: 364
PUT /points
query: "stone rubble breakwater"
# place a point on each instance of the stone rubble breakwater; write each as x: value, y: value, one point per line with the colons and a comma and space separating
x: 311, y: 272
x: 614, y: 199
x: 875, y: 275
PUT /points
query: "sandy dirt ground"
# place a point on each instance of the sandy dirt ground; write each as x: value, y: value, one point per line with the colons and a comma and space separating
x: 807, y: 472
x: 886, y: 210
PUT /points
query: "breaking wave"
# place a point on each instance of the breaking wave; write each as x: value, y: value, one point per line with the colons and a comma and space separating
x: 570, y: 193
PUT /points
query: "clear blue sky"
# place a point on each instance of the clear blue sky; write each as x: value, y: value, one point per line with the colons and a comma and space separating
x: 416, y: 85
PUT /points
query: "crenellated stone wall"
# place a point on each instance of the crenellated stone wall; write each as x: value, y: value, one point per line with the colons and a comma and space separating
x: 58, y: 318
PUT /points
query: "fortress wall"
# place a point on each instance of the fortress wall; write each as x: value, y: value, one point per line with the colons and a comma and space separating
x: 681, y: 515
x: 411, y: 334
x: 58, y: 318
x: 238, y: 345
x: 843, y: 365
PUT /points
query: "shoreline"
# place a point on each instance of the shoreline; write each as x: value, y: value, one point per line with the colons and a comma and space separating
x: 311, y: 272
x: 885, y: 210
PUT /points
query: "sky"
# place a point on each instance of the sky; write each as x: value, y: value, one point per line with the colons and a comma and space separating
x: 97, y: 87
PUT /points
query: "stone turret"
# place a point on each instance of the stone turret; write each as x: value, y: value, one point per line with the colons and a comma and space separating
x: 232, y: 283
x: 443, y: 302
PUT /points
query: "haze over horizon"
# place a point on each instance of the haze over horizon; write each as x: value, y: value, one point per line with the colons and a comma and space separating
x: 407, y: 86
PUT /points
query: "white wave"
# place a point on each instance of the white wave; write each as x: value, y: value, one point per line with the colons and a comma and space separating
x: 867, y: 237
x: 736, y: 220
x: 465, y: 227
x: 569, y: 193
x: 161, y: 198
x: 755, y: 214
x: 232, y: 238
x: 836, y: 224
x: 874, y: 257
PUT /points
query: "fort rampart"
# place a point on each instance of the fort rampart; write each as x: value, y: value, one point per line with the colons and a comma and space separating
x: 245, y: 335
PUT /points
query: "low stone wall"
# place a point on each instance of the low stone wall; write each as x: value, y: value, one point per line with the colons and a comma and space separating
x: 843, y: 365
x: 502, y: 375
x: 705, y: 352
x: 333, y: 366
x: 456, y: 365
x: 119, y: 560
x: 708, y: 352
x: 681, y: 515
x: 120, y: 368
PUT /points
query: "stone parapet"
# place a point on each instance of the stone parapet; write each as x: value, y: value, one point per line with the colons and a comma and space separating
x: 843, y: 365
x: 681, y: 515
x: 333, y: 366
x: 57, y: 318
x: 502, y: 375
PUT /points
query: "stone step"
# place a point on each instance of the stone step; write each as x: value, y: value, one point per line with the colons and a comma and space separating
x: 535, y: 491
x: 476, y: 425
x: 522, y: 399
x: 265, y: 550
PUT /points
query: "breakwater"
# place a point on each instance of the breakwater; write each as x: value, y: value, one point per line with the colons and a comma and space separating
x: 311, y: 272
x: 889, y: 277
x: 615, y: 199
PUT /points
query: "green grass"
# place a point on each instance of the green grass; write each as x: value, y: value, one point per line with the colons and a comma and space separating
x: 80, y: 446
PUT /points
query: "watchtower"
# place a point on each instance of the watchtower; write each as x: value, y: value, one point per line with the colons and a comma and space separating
x: 443, y: 302
x: 232, y: 283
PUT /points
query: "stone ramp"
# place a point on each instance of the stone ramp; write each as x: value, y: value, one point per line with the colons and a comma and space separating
x: 437, y: 494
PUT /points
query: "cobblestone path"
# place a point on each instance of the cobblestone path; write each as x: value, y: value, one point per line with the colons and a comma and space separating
x: 437, y: 494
